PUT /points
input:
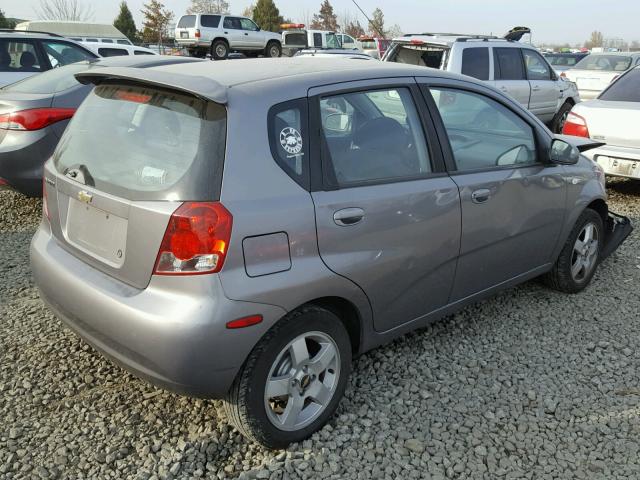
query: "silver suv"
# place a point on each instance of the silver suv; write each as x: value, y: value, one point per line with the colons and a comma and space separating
x: 515, y: 68
x: 219, y: 35
x: 245, y: 237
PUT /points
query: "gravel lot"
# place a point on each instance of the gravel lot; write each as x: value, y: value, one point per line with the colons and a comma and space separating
x: 530, y: 384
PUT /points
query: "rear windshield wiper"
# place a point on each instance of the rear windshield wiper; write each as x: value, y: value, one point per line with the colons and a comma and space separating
x: 80, y: 173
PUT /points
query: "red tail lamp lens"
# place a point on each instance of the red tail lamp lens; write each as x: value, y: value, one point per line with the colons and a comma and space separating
x: 575, y: 125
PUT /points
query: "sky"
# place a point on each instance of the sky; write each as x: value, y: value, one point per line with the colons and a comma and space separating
x: 556, y: 21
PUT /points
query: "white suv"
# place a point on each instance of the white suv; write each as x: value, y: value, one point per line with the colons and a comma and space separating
x: 219, y: 35
x: 517, y: 69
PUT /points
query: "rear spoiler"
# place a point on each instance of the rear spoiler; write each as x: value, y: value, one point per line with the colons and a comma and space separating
x: 197, y: 85
x: 581, y: 143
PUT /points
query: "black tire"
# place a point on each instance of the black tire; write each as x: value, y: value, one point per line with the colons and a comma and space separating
x: 219, y: 50
x: 273, y: 50
x: 560, y: 277
x: 245, y: 402
x: 558, y: 121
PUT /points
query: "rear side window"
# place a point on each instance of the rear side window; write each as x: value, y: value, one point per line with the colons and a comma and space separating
x: 210, y: 21
x: 233, y: 23
x: 51, y: 81
x: 317, y: 40
x: 508, y: 64
x: 372, y: 136
x: 187, y: 21
x: 112, y: 52
x: 624, y: 89
x: 145, y: 143
x: 289, y: 139
x: 18, y: 56
x: 475, y: 63
x: 104, y: 40
x: 142, y: 52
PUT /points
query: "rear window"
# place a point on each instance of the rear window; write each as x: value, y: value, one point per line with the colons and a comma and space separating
x: 144, y: 143
x: 625, y: 89
x: 211, y: 21
x: 296, y: 39
x: 51, y: 81
x: 475, y: 63
x: 187, y: 21
x: 607, y: 63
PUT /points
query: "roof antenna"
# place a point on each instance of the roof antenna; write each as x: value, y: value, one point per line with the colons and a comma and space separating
x: 382, y: 35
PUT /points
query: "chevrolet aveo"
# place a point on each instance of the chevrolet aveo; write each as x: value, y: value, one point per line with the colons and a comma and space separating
x: 242, y: 230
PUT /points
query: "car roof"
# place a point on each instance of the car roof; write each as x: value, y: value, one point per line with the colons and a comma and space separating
x: 28, y: 34
x: 212, y: 80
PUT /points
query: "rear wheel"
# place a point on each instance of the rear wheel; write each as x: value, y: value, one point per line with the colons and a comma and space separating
x: 273, y: 50
x: 293, y: 379
x: 219, y: 50
x: 580, y: 255
x: 561, y: 117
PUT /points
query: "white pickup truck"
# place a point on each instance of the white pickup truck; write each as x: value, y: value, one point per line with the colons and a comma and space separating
x: 220, y: 35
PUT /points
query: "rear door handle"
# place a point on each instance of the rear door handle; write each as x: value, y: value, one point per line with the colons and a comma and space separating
x: 348, y: 216
x: 481, y: 195
x: 246, y: 34
x: 535, y: 88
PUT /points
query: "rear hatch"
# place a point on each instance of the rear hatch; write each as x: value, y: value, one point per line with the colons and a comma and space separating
x: 186, y: 28
x: 129, y: 158
x: 414, y: 51
x: 615, y: 123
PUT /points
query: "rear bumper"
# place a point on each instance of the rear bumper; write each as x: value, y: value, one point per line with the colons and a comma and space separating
x: 617, y: 161
x: 192, y: 43
x: 617, y: 229
x: 171, y: 334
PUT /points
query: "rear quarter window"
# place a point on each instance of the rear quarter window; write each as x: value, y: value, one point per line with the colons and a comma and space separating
x: 210, y: 21
x: 289, y: 140
x: 475, y: 62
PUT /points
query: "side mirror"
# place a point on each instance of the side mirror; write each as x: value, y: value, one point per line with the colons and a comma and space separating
x: 337, y: 122
x: 563, y: 153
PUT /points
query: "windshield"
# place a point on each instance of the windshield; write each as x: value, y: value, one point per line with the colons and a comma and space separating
x: 333, y: 41
x: 144, y: 143
x: 51, y: 81
x: 607, y: 63
x: 624, y: 89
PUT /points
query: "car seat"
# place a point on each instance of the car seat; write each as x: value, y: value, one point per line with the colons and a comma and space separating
x: 27, y: 62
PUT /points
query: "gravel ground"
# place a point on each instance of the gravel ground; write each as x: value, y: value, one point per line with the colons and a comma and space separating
x: 530, y: 384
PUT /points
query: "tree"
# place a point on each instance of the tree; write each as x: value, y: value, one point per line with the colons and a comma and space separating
x: 635, y: 45
x: 208, y: 6
x: 394, y: 31
x: 125, y: 23
x: 376, y: 24
x: 326, y: 19
x: 354, y: 29
x: 267, y: 15
x: 155, y: 21
x: 64, y: 10
x: 248, y: 11
x: 5, y: 22
x: 596, y: 40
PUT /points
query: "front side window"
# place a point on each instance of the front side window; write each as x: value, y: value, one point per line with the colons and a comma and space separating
x: 210, y: 21
x: 347, y: 40
x: 475, y: 62
x: 537, y: 68
x: 332, y: 41
x: 482, y: 132
x: 288, y: 138
x: 61, y: 53
x: 372, y: 136
x: 248, y: 25
x: 233, y: 23
x: 18, y: 56
x: 508, y: 64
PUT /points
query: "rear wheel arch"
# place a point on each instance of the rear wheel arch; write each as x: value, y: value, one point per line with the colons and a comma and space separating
x: 348, y: 314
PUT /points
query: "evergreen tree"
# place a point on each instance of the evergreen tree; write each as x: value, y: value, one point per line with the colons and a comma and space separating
x: 156, y: 19
x: 376, y: 25
x: 326, y: 19
x: 267, y: 15
x: 124, y: 22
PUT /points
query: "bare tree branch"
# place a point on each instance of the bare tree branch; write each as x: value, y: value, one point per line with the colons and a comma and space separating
x: 64, y: 10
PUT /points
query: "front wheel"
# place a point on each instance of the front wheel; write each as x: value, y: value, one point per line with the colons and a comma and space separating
x: 273, y: 50
x: 293, y: 380
x: 580, y: 255
x: 219, y: 50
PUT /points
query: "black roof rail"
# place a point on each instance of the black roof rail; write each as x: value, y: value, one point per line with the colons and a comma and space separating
x: 11, y: 30
x: 484, y: 39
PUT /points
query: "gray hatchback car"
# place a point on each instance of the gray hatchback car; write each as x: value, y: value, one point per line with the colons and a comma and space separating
x: 242, y: 230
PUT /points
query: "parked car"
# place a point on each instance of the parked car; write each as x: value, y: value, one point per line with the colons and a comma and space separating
x: 348, y: 42
x: 78, y: 31
x: 106, y: 50
x: 614, y: 118
x: 594, y: 73
x: 23, y: 54
x: 296, y: 38
x: 336, y: 53
x: 513, y: 67
x: 374, y: 47
x: 562, y: 62
x: 219, y: 35
x: 234, y: 231
x: 35, y: 112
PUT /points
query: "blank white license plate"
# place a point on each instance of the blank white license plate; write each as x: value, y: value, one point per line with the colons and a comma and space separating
x: 96, y: 232
x: 588, y: 83
x: 184, y: 34
x: 618, y: 166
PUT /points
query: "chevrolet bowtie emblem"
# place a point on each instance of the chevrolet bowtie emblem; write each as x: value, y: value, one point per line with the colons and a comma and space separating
x: 85, y: 197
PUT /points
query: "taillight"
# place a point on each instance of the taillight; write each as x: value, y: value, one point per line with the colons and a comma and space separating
x: 197, y: 34
x: 563, y: 75
x: 575, y: 125
x: 196, y: 240
x: 45, y: 206
x: 34, y: 119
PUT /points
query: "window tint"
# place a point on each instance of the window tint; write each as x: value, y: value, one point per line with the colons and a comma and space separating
x: 317, y: 40
x: 537, y: 68
x: 332, y: 41
x: 611, y: 63
x: 295, y: 39
x: 106, y: 40
x: 211, y: 21
x: 51, y: 81
x: 18, y: 56
x: 475, y: 63
x: 288, y: 138
x: 142, y: 52
x: 61, y: 53
x: 124, y: 42
x: 483, y: 133
x: 112, y: 52
x: 508, y: 64
x: 624, y: 89
x: 373, y: 136
x: 248, y: 25
x: 187, y: 21
x: 233, y: 23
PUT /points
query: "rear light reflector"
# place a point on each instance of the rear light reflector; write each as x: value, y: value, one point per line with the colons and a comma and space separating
x: 575, y: 125
x: 197, y: 34
x: 196, y: 240
x: 35, y: 118
x: 245, y: 322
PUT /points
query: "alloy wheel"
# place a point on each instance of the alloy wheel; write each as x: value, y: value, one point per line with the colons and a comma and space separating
x: 585, y: 252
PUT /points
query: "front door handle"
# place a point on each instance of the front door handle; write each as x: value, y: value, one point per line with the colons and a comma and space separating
x: 246, y: 34
x: 481, y: 195
x: 348, y: 216
x: 535, y: 88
